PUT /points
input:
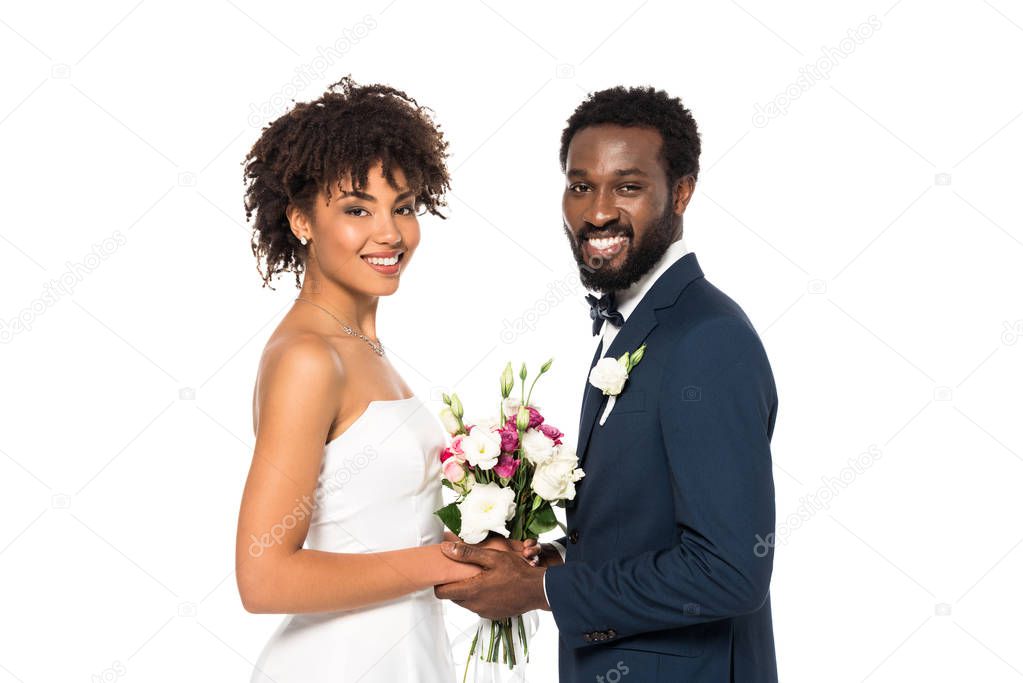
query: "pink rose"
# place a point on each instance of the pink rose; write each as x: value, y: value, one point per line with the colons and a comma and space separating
x: 445, y: 454
x: 453, y: 471
x: 456, y: 448
x: 506, y: 466
x: 551, y: 432
x: 535, y: 418
x: 509, y: 438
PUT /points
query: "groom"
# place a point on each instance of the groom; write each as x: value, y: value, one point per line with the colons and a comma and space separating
x: 665, y: 572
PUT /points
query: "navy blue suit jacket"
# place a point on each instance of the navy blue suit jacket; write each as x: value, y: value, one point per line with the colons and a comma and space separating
x: 668, y: 562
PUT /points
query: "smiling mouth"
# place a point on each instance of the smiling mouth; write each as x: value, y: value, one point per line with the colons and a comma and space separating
x: 386, y: 264
x: 605, y: 246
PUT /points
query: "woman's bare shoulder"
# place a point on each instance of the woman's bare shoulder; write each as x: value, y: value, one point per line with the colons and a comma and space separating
x: 300, y: 366
x: 301, y: 350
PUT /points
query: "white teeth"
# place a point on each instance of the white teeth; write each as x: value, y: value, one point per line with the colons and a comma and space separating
x: 382, y: 261
x: 607, y: 242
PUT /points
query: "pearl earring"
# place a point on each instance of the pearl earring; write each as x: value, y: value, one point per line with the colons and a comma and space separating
x: 303, y: 240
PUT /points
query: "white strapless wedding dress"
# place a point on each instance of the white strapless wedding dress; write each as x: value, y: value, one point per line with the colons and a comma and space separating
x: 379, y: 486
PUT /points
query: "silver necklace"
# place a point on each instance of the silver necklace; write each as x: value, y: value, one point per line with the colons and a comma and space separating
x: 376, y: 346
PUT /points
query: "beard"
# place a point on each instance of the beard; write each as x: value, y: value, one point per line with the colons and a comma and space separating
x: 641, y: 257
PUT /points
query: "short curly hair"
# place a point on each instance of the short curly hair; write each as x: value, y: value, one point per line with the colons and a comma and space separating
x: 316, y: 144
x: 647, y: 107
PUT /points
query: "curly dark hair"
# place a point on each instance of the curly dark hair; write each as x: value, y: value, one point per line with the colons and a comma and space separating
x: 642, y: 106
x: 316, y: 144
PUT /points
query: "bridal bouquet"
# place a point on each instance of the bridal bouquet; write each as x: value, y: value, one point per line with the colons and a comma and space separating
x: 508, y: 473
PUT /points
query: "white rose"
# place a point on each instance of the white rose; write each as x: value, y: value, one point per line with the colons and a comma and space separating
x: 510, y: 407
x: 448, y: 419
x: 482, y: 447
x: 487, y: 507
x: 537, y: 446
x: 555, y: 480
x: 609, y: 375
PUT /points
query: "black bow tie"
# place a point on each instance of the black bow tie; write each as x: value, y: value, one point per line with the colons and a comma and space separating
x: 604, y: 309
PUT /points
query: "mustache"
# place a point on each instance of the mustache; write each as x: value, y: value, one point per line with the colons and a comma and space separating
x: 617, y: 228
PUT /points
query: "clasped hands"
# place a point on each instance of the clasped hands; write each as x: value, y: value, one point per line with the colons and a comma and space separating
x: 511, y: 580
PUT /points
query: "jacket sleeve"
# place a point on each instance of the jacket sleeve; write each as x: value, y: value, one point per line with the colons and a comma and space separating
x: 717, y: 405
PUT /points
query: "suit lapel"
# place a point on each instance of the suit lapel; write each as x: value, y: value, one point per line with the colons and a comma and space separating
x: 641, y: 322
x: 591, y: 396
x: 591, y: 400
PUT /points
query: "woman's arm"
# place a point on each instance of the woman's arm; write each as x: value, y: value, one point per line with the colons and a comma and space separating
x: 317, y: 581
x: 297, y: 398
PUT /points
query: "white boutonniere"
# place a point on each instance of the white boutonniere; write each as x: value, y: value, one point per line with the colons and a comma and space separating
x: 610, y: 374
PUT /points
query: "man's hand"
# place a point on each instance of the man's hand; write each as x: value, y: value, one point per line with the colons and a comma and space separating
x: 506, y: 587
x: 528, y: 549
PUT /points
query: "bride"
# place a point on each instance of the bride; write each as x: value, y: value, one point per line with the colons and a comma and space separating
x: 336, y: 527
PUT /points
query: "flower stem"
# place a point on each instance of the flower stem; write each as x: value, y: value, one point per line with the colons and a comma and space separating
x: 506, y: 628
x: 472, y: 651
x: 522, y: 636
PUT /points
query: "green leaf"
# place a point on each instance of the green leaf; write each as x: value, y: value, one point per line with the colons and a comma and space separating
x: 516, y: 532
x: 452, y: 517
x: 537, y: 502
x: 543, y: 521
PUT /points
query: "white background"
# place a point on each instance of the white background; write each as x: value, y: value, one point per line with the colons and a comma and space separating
x: 868, y: 232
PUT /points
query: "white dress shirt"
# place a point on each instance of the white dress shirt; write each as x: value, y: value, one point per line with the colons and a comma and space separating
x: 626, y: 301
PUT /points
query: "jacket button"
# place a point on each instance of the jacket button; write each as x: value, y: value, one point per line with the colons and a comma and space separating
x: 573, y: 537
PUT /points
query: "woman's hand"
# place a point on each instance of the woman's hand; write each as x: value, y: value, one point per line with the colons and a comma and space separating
x: 530, y: 549
x: 460, y: 570
x: 540, y: 554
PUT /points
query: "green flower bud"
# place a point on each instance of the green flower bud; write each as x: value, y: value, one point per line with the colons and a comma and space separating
x: 522, y: 420
x: 636, y: 356
x: 546, y: 366
x: 507, y: 381
x: 523, y: 373
x: 456, y: 406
